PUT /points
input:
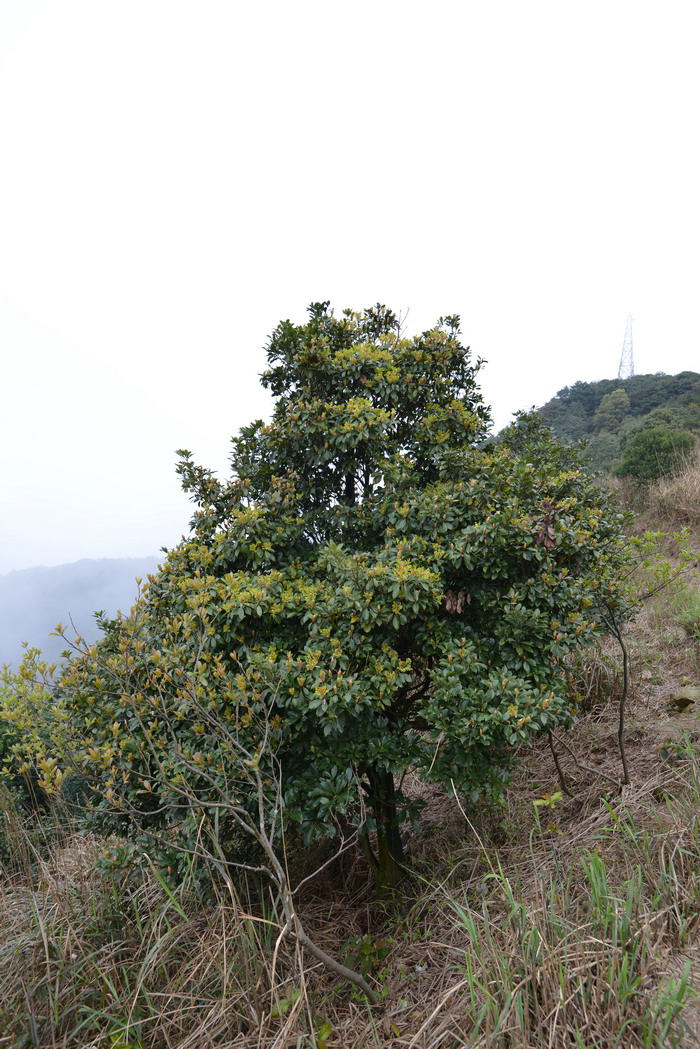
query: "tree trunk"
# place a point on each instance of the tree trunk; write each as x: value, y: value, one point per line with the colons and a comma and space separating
x: 350, y: 489
x: 389, y: 862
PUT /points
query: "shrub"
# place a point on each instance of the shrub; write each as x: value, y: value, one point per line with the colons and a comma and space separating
x: 655, y: 452
x: 602, y: 450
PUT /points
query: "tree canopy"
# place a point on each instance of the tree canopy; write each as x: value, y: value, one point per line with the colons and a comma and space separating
x: 373, y: 592
x: 573, y: 413
x: 611, y: 411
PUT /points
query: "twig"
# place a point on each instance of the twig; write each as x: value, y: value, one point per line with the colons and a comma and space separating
x: 346, y: 844
x: 586, y: 768
x: 336, y: 966
x: 617, y: 632
x: 560, y: 771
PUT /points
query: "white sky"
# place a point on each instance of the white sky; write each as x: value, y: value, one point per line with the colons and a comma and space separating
x: 176, y: 177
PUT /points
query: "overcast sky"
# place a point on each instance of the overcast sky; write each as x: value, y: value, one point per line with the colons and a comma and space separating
x: 176, y: 177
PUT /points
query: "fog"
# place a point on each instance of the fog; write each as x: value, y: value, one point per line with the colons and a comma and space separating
x: 176, y: 178
x: 34, y: 600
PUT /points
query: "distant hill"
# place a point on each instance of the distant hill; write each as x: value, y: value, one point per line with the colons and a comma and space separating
x: 623, y: 419
x: 34, y: 600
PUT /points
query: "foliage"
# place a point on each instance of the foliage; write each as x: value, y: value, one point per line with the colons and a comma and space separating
x: 34, y: 732
x: 674, y: 418
x: 603, y: 450
x: 654, y: 452
x: 371, y: 593
x: 19, y: 789
x: 31, y: 705
x: 645, y: 393
x: 8, y: 742
x: 611, y: 411
x: 589, y: 939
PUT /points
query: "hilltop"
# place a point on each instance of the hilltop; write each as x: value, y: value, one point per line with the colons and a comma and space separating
x: 615, y: 417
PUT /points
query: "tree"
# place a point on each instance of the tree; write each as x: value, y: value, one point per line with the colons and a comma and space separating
x: 611, y: 412
x: 373, y: 592
x: 602, y: 450
x: 668, y: 417
x: 568, y: 421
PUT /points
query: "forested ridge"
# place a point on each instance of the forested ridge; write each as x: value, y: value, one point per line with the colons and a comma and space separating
x: 638, y: 427
x: 572, y: 412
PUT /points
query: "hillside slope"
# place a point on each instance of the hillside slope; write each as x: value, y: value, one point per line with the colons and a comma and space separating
x: 34, y: 600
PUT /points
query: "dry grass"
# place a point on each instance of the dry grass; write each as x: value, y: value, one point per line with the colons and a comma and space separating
x: 91, y: 960
x: 570, y: 932
x: 670, y: 503
x: 676, y: 499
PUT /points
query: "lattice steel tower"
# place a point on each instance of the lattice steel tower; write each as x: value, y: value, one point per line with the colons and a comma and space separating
x: 627, y: 358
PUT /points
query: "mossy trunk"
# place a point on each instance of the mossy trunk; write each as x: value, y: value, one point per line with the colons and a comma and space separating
x: 388, y: 862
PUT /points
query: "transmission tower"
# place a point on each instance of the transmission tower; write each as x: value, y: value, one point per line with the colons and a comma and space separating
x: 627, y: 357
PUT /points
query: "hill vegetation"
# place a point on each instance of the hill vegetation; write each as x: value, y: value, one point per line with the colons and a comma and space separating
x: 398, y: 749
x: 641, y: 427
